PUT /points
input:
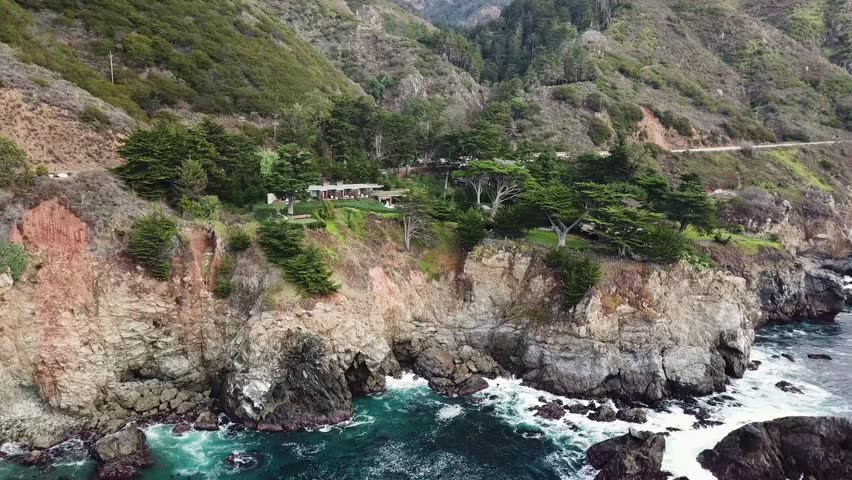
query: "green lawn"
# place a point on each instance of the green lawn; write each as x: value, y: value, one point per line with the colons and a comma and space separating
x: 550, y: 239
x: 747, y: 243
x: 307, y: 208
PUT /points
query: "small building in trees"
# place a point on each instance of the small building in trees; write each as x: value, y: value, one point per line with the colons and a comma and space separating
x: 336, y: 191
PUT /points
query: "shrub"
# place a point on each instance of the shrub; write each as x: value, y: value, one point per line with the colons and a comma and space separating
x: 206, y: 207
x: 624, y: 116
x: 280, y: 240
x: 672, y: 120
x: 238, y: 239
x: 599, y: 131
x: 13, y: 259
x: 663, y: 244
x: 568, y: 94
x: 326, y: 211
x: 223, y: 288
x: 308, y: 270
x: 471, y: 229
x: 595, y: 102
x: 578, y: 275
x: 42, y: 171
x: 94, y: 115
x: 743, y: 127
x: 13, y: 162
x: 153, y: 238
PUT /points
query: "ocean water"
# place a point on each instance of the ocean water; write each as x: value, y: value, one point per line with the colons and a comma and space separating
x: 409, y: 433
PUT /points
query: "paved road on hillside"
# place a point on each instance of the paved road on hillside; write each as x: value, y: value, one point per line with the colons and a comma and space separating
x: 759, y: 147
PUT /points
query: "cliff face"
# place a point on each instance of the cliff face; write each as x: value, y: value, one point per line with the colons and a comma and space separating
x: 89, y: 341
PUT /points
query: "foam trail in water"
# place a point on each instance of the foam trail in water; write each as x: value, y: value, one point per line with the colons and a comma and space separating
x: 406, y: 381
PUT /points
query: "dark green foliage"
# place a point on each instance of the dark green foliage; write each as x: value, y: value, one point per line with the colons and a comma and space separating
x: 205, y: 208
x: 624, y: 117
x: 578, y: 275
x: 326, y: 211
x: 13, y: 162
x: 514, y: 220
x: 223, y: 288
x: 290, y: 173
x: 619, y: 166
x: 153, y: 238
x: 42, y: 171
x: 689, y: 205
x: 663, y: 244
x: 13, y: 259
x: 304, y: 266
x: 308, y: 271
x: 471, y: 229
x: 238, y: 239
x: 280, y: 240
x: 171, y: 160
x: 599, y: 131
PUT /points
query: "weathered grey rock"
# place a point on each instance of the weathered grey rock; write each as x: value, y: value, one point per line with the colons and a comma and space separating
x: 604, y: 414
x: 294, y: 383
x: 788, y: 387
x: 122, y: 454
x: 207, y: 421
x: 790, y: 447
x: 632, y: 415
x: 450, y: 375
x: 147, y: 403
x: 633, y: 456
x: 167, y: 395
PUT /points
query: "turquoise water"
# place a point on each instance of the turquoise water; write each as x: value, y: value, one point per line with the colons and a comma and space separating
x: 409, y: 433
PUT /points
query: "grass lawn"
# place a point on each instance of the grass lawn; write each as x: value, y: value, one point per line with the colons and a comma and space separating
x: 749, y: 244
x: 307, y: 208
x: 550, y: 239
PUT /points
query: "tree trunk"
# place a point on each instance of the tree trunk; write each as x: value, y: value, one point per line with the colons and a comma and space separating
x: 291, y: 204
x: 563, y: 236
x: 683, y: 226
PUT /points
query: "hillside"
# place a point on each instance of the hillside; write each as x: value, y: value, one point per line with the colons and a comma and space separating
x: 456, y: 12
x: 231, y: 58
x: 707, y: 74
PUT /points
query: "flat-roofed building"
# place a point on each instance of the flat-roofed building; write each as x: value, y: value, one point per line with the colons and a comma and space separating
x: 337, y: 191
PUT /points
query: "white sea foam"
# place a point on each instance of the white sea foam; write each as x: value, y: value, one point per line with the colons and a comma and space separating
x: 406, y: 381
x: 449, y: 412
x: 755, y: 399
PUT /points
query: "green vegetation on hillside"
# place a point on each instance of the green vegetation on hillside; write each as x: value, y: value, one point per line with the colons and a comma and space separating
x: 13, y: 259
x: 226, y: 57
x: 153, y: 240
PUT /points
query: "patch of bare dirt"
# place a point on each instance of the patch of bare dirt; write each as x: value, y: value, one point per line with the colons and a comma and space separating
x: 55, y: 137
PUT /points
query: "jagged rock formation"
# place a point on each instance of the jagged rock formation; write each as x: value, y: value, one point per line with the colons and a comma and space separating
x: 120, y: 455
x: 633, y: 456
x: 790, y: 447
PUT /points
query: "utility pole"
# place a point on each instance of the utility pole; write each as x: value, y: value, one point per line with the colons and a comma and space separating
x: 111, y: 73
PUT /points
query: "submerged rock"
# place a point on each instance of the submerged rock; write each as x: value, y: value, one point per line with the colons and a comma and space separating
x: 754, y: 364
x: 819, y: 356
x: 455, y: 375
x: 636, y: 455
x: 785, y: 448
x: 788, y: 387
x: 551, y: 411
x: 122, y: 454
x: 207, y: 421
x: 244, y: 461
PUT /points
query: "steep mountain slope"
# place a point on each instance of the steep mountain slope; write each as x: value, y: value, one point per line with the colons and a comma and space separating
x: 710, y: 73
x: 378, y: 45
x: 228, y: 57
x: 456, y: 12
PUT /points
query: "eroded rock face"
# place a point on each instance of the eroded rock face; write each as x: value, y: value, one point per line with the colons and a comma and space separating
x: 297, y: 384
x: 633, y: 456
x: 790, y: 447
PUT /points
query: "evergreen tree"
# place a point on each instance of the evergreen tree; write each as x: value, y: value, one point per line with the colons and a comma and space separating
x: 291, y: 173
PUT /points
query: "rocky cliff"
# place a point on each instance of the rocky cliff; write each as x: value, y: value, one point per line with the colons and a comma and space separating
x: 90, y: 342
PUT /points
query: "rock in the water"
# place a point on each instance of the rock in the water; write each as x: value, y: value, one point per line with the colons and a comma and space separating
x: 819, y: 356
x: 788, y: 357
x: 754, y: 365
x: 633, y: 456
x: 788, y: 387
x: 244, y: 461
x: 294, y: 383
x: 452, y: 375
x: 578, y: 408
x: 603, y: 414
x: 207, y: 421
x: 551, y: 411
x: 181, y: 428
x: 632, y: 415
x: 122, y: 454
x: 790, y: 447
